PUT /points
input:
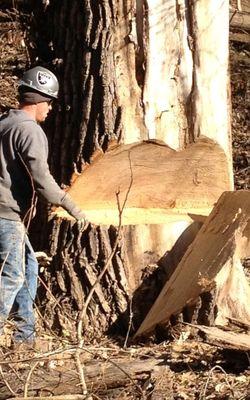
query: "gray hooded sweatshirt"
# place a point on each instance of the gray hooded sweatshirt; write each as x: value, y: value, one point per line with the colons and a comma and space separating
x: 24, y: 169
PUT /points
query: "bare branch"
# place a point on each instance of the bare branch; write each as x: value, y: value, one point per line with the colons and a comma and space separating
x: 6, y: 382
x: 83, y: 312
x: 26, y: 386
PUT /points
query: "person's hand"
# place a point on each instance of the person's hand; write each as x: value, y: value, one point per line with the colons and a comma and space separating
x: 76, y: 212
x: 52, y: 215
x: 81, y: 219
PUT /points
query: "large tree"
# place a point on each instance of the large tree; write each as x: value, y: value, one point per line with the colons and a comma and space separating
x: 144, y: 119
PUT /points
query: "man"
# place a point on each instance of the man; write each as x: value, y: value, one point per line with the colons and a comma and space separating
x: 24, y: 172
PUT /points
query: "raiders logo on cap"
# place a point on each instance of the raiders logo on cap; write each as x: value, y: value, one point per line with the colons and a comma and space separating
x: 43, y: 77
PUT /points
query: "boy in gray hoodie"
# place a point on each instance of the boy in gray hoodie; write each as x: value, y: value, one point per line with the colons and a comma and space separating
x: 24, y: 173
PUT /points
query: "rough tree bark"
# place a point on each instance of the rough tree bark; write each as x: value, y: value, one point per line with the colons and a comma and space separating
x: 131, y: 71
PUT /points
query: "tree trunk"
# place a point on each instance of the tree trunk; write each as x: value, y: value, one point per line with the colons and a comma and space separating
x: 133, y: 71
x: 151, y: 221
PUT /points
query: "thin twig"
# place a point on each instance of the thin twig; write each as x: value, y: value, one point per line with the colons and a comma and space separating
x: 29, y: 214
x: 58, y: 338
x: 45, y: 357
x: 55, y: 300
x: 129, y: 323
x: 71, y: 349
x: 105, y: 358
x: 235, y: 12
x: 26, y: 386
x: 203, y: 395
x: 2, y: 266
x: 81, y: 318
x: 6, y: 382
x: 93, y: 350
x: 83, y: 312
x: 42, y: 357
x: 80, y: 372
x: 96, y: 397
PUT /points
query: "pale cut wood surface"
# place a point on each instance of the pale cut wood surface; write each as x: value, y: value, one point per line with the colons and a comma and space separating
x: 162, y: 184
x: 211, y: 103
x: 168, y: 83
x: 224, y: 236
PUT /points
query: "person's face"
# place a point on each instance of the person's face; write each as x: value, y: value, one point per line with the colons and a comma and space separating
x: 42, y: 110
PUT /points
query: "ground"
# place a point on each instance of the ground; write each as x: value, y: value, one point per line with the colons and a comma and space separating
x: 184, y: 368
x: 193, y: 368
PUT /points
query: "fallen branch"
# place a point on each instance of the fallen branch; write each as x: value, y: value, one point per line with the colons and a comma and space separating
x: 80, y: 368
x: 240, y: 20
x: 106, y: 373
x: 221, y: 338
x: 240, y: 324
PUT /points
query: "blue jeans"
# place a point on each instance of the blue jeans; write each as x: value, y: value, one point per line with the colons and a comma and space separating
x: 18, y: 279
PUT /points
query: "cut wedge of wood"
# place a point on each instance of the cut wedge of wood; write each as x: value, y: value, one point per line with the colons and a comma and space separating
x: 156, y: 183
x: 213, y: 259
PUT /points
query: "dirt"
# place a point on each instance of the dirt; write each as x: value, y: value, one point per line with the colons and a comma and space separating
x: 194, y: 369
x: 184, y: 368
